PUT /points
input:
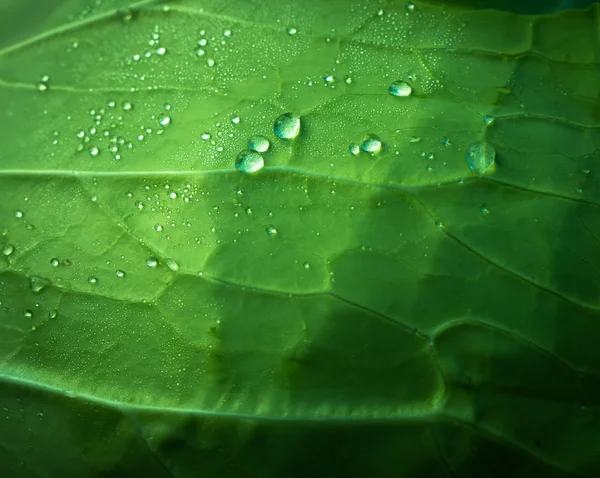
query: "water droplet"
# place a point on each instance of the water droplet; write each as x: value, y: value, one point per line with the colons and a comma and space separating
x: 400, y: 88
x: 259, y: 143
x: 249, y: 161
x: 410, y: 7
x: 120, y: 273
x: 28, y: 314
x: 413, y: 139
x: 371, y: 144
x: 94, y: 152
x: 54, y: 262
x: 53, y: 314
x: 152, y: 262
x: 235, y: 120
x: 165, y: 120
x: 200, y: 52
x: 210, y: 62
x: 328, y: 79
x: 287, y: 126
x: 483, y: 209
x: 271, y: 231
x: 488, y: 120
x: 18, y: 214
x: 8, y: 249
x: 172, y: 264
x: 480, y: 156
x: 161, y: 51
x: 227, y: 33
x: 93, y: 280
x: 354, y: 149
x: 347, y: 79
x: 306, y: 265
x: 38, y: 284
x: 158, y: 228
x: 291, y: 30
x: 205, y: 136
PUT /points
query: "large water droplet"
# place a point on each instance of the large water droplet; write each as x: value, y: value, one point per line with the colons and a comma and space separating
x: 400, y: 88
x: 259, y: 143
x: 371, y: 144
x: 249, y: 161
x: 172, y: 264
x: 38, y: 284
x: 480, y: 156
x: 8, y: 249
x: 152, y: 262
x: 287, y: 126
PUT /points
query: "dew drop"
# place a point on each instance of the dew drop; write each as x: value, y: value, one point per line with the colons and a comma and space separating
x: 205, y: 136
x: 8, y: 249
x: 354, y: 149
x: 120, y: 273
x: 480, y: 156
x: 287, y: 126
x: 161, y: 51
x: 400, y: 88
x: 259, y: 143
x: 249, y: 161
x: 306, y: 265
x: 92, y: 280
x: 94, y: 152
x: 152, y: 262
x: 235, y: 120
x: 488, y: 120
x: 371, y: 144
x: 165, y: 120
x: 291, y: 30
x: 38, y: 284
x: 158, y: 228
x: 271, y: 231
x: 18, y: 214
x: 53, y: 314
x: 28, y: 314
x: 172, y: 264
x: 54, y: 262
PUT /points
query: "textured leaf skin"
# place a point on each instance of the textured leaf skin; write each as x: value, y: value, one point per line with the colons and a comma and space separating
x: 407, y: 318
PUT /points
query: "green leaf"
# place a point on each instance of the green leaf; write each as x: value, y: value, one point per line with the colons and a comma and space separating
x: 387, y: 313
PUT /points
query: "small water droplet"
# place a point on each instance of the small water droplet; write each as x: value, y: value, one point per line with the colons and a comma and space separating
x: 158, y: 228
x: 205, y: 136
x: 354, y: 149
x: 371, y: 144
x: 18, y: 214
x: 8, y: 249
x: 287, y: 126
x: 413, y: 139
x: 93, y: 280
x: 249, y: 161
x: 53, y: 314
x: 210, y: 62
x: 306, y: 265
x: 165, y: 120
x: 161, y: 51
x: 480, y: 156
x: 291, y: 30
x: 483, y: 209
x: 227, y: 33
x: 94, y: 152
x: 54, y: 262
x: 120, y: 273
x: 488, y: 120
x: 94, y: 197
x: 271, y: 231
x: 410, y: 7
x: 127, y: 106
x: 400, y: 88
x: 259, y: 143
x: 38, y: 284
x: 28, y: 314
x: 172, y: 264
x: 328, y: 79
x: 152, y: 262
x: 347, y: 79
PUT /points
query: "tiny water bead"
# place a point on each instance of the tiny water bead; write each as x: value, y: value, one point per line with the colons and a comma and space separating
x: 354, y: 149
x: 480, y: 156
x: 93, y: 280
x: 18, y: 214
x: 152, y: 262
x: 120, y: 273
x: 371, y: 144
x: 400, y: 88
x: 287, y: 126
x: 259, y: 143
x: 8, y: 249
x: 249, y: 161
x: 271, y: 230
x: 172, y: 264
x: 54, y: 262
